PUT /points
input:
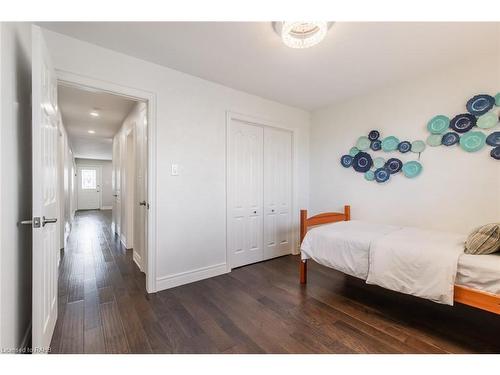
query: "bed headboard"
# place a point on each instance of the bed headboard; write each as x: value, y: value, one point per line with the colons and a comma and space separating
x: 324, y: 218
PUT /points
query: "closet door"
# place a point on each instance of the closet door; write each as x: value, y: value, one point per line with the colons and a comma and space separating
x: 277, y: 193
x: 245, y: 195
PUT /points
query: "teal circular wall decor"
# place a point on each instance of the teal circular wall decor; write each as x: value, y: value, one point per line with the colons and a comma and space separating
x: 353, y: 151
x: 369, y: 175
x: 472, y: 141
x: 390, y: 143
x: 378, y: 162
x: 412, y: 169
x: 497, y: 99
x: 434, y: 140
x: 487, y: 121
x: 417, y: 146
x: 438, y: 124
x: 363, y: 143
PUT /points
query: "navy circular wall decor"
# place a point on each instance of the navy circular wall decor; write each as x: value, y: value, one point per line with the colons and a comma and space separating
x: 404, y: 147
x: 376, y: 145
x: 495, y: 153
x: 382, y: 175
x: 373, y: 135
x: 480, y: 104
x: 346, y: 161
x: 463, y: 123
x: 493, y: 139
x: 362, y: 162
x: 450, y: 139
x: 393, y: 165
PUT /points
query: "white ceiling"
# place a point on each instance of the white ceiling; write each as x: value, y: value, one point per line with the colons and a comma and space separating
x: 353, y: 59
x: 76, y: 104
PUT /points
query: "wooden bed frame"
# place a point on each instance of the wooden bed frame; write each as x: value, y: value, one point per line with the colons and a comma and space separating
x: 467, y: 296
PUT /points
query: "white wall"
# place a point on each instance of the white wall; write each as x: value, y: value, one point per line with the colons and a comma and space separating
x: 15, y: 193
x: 106, y: 168
x: 456, y: 190
x: 191, y: 207
x: 127, y: 171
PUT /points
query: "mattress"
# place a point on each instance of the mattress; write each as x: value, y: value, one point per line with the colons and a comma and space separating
x: 344, y: 246
x: 480, y: 272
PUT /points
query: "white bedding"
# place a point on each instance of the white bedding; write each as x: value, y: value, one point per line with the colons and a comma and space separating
x: 416, y: 261
x: 343, y: 245
x: 409, y: 260
x: 480, y: 272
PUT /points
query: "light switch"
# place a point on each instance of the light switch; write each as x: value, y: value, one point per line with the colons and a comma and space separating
x: 175, y: 169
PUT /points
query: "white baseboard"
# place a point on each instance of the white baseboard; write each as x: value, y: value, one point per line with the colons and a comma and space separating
x: 137, y: 259
x: 106, y: 207
x: 187, y: 277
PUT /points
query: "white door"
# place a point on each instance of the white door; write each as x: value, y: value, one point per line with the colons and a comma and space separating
x: 277, y: 192
x: 115, y: 181
x: 245, y: 195
x: 44, y: 151
x: 141, y: 199
x: 89, y: 187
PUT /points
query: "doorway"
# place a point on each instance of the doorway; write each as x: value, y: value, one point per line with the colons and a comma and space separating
x: 89, y: 187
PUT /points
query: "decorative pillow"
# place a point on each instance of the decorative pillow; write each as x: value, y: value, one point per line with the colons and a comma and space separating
x: 484, y: 240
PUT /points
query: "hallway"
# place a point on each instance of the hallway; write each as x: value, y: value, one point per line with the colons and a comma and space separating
x: 100, y: 292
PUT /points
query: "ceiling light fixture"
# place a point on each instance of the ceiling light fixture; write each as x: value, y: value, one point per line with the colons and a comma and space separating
x: 91, y: 131
x: 94, y: 114
x: 301, y: 34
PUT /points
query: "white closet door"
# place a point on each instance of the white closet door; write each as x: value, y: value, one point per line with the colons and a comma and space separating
x: 245, y: 195
x: 277, y: 193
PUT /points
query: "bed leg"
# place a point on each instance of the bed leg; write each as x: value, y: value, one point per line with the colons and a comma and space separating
x: 303, y: 271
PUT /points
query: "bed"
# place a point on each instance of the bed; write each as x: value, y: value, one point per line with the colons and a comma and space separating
x: 401, y: 258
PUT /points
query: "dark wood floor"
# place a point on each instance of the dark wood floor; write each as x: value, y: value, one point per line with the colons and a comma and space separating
x: 103, y: 308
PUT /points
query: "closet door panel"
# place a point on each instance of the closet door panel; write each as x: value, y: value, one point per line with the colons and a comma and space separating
x: 277, y: 192
x: 245, y: 195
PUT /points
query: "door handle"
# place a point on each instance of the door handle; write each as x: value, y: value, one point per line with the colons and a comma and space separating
x: 115, y: 195
x: 48, y: 221
x: 35, y: 223
x: 143, y: 203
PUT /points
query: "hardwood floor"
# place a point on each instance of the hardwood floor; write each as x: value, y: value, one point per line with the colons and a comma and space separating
x: 261, y: 308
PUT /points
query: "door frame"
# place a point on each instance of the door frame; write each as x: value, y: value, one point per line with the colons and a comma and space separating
x: 84, y: 82
x: 263, y: 123
x: 98, y: 168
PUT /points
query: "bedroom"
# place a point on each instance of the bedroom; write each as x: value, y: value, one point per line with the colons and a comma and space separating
x: 389, y: 119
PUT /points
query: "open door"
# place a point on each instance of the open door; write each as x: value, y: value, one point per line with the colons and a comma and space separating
x: 141, y: 190
x: 45, y: 167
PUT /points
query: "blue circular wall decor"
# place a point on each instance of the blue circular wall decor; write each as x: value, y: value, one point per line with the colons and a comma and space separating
x: 450, y: 139
x: 480, y: 104
x: 362, y: 162
x: 376, y: 145
x: 382, y: 175
x: 493, y: 139
x: 393, y: 165
x: 463, y: 123
x: 404, y: 147
x: 495, y: 153
x: 346, y: 161
x: 373, y: 135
